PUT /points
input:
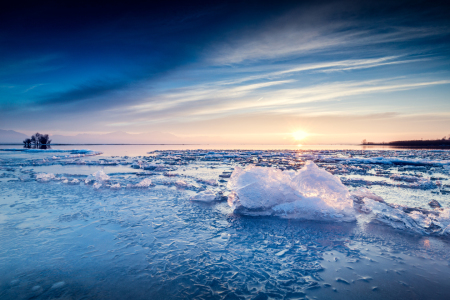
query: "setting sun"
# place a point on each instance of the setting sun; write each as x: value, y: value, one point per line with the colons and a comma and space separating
x: 299, y: 135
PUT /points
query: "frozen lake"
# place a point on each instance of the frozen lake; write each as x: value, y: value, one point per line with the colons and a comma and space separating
x: 174, y: 222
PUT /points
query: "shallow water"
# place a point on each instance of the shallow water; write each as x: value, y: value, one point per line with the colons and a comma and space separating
x: 75, y: 241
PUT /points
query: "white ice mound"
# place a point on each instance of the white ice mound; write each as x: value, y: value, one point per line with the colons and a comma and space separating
x: 144, y: 183
x: 311, y: 193
x: 115, y: 186
x: 181, y: 183
x: 205, y: 196
x: 44, y: 177
x: 74, y: 181
x: 99, y: 176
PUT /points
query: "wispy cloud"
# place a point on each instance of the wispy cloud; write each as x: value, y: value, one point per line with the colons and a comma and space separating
x: 199, y: 103
x: 328, y: 67
x: 323, y: 29
x: 186, y: 95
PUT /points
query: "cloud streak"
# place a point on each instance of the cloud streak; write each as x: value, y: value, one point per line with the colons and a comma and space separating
x: 199, y: 103
x: 317, y: 31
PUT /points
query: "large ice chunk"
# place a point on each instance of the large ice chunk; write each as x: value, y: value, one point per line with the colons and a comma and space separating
x: 312, y: 193
x: 205, y: 196
x: 99, y: 176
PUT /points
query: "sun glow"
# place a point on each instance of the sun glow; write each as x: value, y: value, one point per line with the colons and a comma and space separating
x: 299, y: 135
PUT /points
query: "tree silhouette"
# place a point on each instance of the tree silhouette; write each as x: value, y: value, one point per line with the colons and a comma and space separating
x: 44, y: 139
x: 38, y: 140
x: 35, y: 139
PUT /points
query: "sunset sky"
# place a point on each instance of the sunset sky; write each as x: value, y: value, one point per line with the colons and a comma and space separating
x: 253, y: 71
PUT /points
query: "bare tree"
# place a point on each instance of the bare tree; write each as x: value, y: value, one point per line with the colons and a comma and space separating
x: 364, y: 142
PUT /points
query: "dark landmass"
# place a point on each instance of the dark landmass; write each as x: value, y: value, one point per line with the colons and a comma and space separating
x: 414, y: 143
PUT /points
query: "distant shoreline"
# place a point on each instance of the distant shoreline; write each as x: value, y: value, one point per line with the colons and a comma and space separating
x: 413, y: 143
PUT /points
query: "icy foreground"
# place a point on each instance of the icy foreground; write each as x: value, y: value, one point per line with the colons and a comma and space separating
x: 315, y: 194
x: 322, y: 224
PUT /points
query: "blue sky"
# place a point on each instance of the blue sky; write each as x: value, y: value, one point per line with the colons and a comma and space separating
x: 243, y: 71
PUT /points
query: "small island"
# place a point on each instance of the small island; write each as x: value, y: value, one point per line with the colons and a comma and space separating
x: 38, y: 141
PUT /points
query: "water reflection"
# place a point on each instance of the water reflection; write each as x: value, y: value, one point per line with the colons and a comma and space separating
x: 41, y: 147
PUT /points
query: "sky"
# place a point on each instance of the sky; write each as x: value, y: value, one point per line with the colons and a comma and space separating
x: 267, y: 72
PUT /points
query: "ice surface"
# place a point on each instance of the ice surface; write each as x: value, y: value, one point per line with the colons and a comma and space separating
x: 153, y: 243
x: 414, y: 182
x: 212, y: 182
x: 384, y: 161
x: 361, y: 193
x: 311, y: 193
x: 181, y: 183
x: 406, y: 178
x: 435, y: 222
